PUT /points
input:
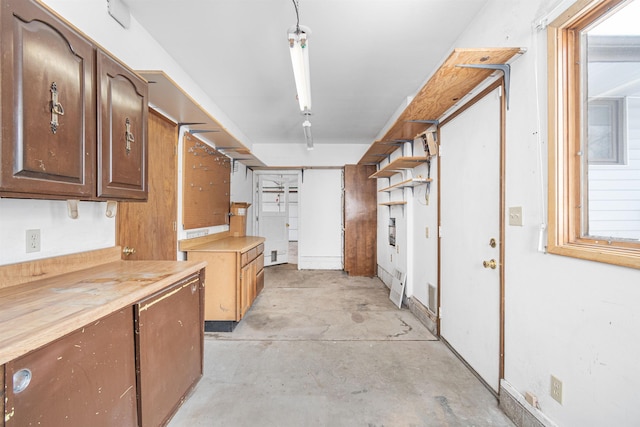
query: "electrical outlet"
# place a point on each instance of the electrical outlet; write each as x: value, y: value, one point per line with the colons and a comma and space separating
x: 556, y: 389
x: 33, y: 241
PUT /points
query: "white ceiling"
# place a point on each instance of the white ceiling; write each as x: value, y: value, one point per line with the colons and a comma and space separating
x: 366, y: 58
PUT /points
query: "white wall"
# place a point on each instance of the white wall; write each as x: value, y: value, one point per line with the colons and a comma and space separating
x: 571, y: 318
x: 323, y: 155
x: 242, y: 191
x: 393, y: 257
x: 59, y: 234
x: 320, y: 226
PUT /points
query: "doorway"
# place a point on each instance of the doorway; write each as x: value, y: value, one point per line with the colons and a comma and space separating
x: 277, y: 216
x: 471, y: 236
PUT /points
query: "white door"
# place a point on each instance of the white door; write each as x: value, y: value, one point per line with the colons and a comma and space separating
x: 273, y: 216
x: 470, y: 219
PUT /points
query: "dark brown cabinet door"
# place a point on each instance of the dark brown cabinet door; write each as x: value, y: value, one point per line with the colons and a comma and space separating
x: 122, y: 136
x: 86, y: 378
x: 169, y: 347
x: 360, y: 220
x: 48, y: 105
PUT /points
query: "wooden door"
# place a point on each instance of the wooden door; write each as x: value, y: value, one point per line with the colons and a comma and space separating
x: 360, y: 220
x: 86, y: 378
x: 470, y: 195
x: 150, y: 228
x: 122, y: 138
x: 44, y: 60
x: 169, y: 347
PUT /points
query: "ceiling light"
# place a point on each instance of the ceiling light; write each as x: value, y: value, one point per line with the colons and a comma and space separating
x: 299, y: 49
x: 306, y: 127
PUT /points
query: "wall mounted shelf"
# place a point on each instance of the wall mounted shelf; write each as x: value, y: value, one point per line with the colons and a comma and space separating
x: 396, y: 203
x: 172, y: 100
x: 398, y: 165
x: 451, y: 82
x: 409, y: 183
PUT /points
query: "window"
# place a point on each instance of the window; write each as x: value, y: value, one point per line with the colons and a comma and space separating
x: 594, y: 132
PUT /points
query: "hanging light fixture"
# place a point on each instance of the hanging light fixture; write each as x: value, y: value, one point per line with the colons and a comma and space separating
x: 299, y: 48
x: 306, y: 127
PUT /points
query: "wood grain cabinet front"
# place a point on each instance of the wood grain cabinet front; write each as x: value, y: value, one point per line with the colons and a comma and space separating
x: 48, y: 105
x: 74, y: 119
x: 122, y: 137
x: 169, y: 348
x: 86, y: 378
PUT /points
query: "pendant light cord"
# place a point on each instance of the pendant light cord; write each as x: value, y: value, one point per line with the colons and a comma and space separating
x: 295, y: 4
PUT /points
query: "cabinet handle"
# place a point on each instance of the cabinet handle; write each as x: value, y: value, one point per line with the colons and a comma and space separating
x: 56, y: 107
x: 21, y: 380
x: 128, y: 136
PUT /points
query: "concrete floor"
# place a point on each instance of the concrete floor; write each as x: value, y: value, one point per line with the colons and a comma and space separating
x: 321, y: 349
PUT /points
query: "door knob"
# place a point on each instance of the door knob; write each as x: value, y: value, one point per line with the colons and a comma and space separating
x: 490, y: 264
x: 128, y: 251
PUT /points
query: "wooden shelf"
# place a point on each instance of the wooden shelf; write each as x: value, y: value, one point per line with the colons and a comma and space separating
x: 172, y: 100
x: 447, y: 86
x: 398, y: 165
x: 413, y: 182
x: 398, y: 203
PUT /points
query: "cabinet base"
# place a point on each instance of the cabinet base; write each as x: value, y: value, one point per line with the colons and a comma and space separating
x: 219, y: 325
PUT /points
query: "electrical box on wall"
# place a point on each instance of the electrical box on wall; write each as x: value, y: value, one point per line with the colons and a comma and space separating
x: 392, y: 231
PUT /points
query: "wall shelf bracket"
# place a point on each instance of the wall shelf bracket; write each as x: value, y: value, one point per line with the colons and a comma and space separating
x: 505, y: 68
x: 427, y: 122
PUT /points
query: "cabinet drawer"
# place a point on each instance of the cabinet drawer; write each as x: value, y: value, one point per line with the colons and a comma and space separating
x: 253, y: 253
x: 260, y: 248
x: 244, y: 258
x: 260, y: 262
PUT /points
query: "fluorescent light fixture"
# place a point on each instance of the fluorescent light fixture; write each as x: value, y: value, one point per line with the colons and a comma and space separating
x: 306, y: 127
x: 299, y: 49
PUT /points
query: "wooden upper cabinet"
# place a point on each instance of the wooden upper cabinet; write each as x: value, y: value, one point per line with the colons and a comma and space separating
x: 47, y: 74
x: 122, y: 138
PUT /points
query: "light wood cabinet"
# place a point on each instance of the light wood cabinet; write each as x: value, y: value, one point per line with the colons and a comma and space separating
x: 48, y: 105
x: 235, y: 277
x: 169, y: 348
x: 73, y: 118
x: 85, y: 378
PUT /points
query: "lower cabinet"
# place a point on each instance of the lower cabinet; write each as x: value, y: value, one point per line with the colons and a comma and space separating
x: 86, y: 378
x: 169, y: 348
x: 133, y: 367
x: 235, y: 278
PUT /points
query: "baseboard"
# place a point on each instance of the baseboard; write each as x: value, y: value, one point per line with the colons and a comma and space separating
x: 219, y: 325
x: 422, y: 313
x: 319, y: 263
x: 519, y: 410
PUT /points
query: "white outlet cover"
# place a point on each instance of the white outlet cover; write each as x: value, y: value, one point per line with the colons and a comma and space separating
x: 515, y: 216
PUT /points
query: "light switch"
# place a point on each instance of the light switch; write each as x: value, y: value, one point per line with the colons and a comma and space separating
x: 515, y: 215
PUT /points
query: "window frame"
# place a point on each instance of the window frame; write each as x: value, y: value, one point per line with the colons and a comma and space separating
x: 567, y: 177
